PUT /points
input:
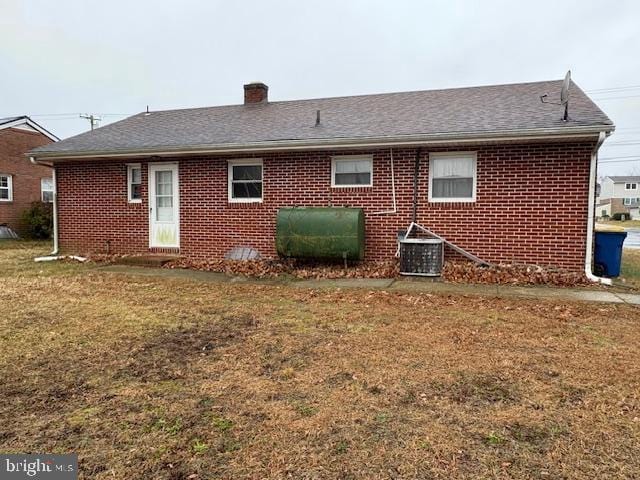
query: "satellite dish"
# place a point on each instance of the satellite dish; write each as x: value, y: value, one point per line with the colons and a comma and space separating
x: 564, y: 96
x: 564, y: 93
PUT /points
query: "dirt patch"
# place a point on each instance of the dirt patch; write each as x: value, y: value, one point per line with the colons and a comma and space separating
x: 479, y: 389
x: 168, y: 355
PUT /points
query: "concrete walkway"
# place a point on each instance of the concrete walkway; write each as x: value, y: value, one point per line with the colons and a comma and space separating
x: 408, y: 284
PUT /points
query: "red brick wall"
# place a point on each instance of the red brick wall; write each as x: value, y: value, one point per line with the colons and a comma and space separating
x: 14, y: 143
x: 531, y: 204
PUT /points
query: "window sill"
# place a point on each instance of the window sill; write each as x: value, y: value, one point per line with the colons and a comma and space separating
x: 451, y: 205
x: 353, y: 187
x: 134, y: 201
x: 245, y: 202
x: 452, y: 200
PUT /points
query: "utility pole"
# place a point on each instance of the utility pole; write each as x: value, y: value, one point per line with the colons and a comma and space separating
x: 93, y: 120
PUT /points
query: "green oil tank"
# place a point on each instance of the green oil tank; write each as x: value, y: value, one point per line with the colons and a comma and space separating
x: 320, y: 232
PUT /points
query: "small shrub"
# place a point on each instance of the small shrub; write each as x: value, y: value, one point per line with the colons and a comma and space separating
x: 620, y: 216
x: 38, y: 220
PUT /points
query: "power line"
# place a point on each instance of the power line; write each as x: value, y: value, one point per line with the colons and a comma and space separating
x: 621, y: 144
x: 617, y: 161
x: 78, y: 113
x: 615, y: 158
x: 620, y: 161
x: 616, y: 98
x: 613, y: 89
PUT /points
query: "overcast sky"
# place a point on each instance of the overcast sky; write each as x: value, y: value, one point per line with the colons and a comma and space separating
x: 112, y: 58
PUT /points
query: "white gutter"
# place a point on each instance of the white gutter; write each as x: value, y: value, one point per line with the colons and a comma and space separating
x: 588, y: 260
x: 335, y: 143
x: 55, y: 205
x: 393, y: 191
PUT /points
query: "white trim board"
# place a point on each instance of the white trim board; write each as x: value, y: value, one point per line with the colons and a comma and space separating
x: 27, y: 121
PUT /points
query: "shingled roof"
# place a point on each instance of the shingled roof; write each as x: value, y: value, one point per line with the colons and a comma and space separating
x: 625, y: 179
x: 458, y: 113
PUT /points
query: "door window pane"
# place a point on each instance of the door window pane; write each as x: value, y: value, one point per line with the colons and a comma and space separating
x: 164, y: 196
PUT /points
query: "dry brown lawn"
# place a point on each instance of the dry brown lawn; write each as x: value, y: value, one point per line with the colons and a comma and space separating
x: 175, y: 379
x: 630, y: 268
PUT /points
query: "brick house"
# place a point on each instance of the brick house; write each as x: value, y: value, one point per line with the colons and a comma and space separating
x: 473, y: 164
x: 21, y: 181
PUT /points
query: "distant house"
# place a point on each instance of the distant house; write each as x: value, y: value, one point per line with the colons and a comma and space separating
x: 620, y: 194
x: 21, y: 181
x: 493, y: 169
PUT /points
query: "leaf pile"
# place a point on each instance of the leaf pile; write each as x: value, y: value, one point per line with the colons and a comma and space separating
x: 504, y: 274
x: 454, y: 272
x: 297, y: 268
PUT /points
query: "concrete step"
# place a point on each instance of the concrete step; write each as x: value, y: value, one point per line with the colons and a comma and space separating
x: 152, y: 260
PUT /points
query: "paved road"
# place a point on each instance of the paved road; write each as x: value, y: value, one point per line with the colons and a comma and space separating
x: 633, y: 238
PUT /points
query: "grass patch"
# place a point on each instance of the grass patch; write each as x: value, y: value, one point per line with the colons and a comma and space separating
x: 170, y: 378
x: 625, y: 224
x: 630, y: 272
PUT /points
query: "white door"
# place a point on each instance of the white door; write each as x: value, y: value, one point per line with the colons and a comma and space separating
x: 164, y: 205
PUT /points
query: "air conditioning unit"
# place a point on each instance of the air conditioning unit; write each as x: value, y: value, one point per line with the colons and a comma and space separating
x: 421, y: 256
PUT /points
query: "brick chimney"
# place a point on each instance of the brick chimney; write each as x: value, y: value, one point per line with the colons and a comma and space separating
x: 255, y: 92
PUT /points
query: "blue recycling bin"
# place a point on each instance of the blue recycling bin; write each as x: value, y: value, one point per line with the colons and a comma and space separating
x: 608, y: 254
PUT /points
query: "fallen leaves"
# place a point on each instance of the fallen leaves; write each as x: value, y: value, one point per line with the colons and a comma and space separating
x: 466, y: 272
x: 291, y: 267
x: 454, y: 272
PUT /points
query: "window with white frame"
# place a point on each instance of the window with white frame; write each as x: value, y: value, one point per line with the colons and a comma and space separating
x: 452, y: 177
x: 631, y: 201
x: 352, y: 171
x: 134, y: 183
x: 46, y: 190
x: 6, y: 188
x: 245, y: 180
x: 630, y: 186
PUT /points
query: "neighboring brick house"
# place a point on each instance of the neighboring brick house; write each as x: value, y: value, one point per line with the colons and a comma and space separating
x: 619, y: 194
x: 22, y: 182
x: 473, y: 164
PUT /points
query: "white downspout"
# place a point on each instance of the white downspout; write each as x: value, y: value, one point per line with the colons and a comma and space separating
x: 55, y: 205
x: 393, y: 191
x: 590, y: 217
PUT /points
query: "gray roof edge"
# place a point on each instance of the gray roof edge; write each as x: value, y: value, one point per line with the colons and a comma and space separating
x: 11, y: 121
x: 624, y: 178
x: 336, y: 142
